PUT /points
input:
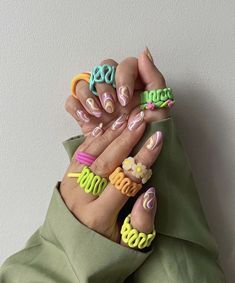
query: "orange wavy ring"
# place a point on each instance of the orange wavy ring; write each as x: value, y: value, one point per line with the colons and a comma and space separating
x: 83, y: 76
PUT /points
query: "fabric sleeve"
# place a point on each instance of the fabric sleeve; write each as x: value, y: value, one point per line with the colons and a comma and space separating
x: 185, y: 250
x: 65, y: 250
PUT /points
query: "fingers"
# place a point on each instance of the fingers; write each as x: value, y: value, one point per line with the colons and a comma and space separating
x: 106, y: 92
x: 153, y: 79
x: 126, y: 75
x: 112, y: 200
x: 88, y: 100
x: 143, y: 213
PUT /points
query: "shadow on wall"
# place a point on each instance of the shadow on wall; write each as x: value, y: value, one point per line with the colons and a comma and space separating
x: 201, y: 124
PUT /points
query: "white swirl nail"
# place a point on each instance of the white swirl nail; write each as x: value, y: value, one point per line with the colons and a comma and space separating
x: 123, y: 95
x: 93, y: 107
x: 107, y: 101
x: 149, y: 199
x: 138, y: 119
x: 119, y: 122
x: 154, y: 140
x: 83, y: 116
x: 97, y: 131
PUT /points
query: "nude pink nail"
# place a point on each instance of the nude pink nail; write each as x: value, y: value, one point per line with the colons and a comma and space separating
x: 83, y: 116
x: 149, y: 199
x: 119, y: 122
x: 97, y: 131
x: 155, y: 140
x: 137, y: 121
x: 107, y: 102
x: 123, y: 95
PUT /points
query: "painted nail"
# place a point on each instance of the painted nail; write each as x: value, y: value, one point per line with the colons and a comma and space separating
x: 93, y: 107
x: 119, y: 122
x: 154, y: 140
x: 97, y: 131
x: 107, y: 102
x: 136, y: 122
x: 147, y: 52
x: 149, y: 199
x: 83, y: 116
x: 123, y: 95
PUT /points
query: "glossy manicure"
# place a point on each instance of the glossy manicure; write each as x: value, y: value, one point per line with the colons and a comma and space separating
x: 119, y: 122
x: 107, y: 102
x: 83, y: 116
x: 149, y: 199
x: 155, y: 140
x: 123, y: 95
x: 137, y: 121
x: 97, y: 131
x: 93, y: 107
x: 147, y: 52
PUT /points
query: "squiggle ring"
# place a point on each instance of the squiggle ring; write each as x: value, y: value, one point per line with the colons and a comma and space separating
x: 133, y: 238
x: 156, y: 98
x: 102, y: 74
x: 138, y: 170
x: 83, y: 76
x: 85, y: 158
x: 90, y: 182
x: 124, y: 184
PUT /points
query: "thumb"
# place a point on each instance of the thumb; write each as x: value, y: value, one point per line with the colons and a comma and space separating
x: 143, y: 213
x: 149, y: 73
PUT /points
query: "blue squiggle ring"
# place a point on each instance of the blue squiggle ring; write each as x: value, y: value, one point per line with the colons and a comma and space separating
x: 102, y: 74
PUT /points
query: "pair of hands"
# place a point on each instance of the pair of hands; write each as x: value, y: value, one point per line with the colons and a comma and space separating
x: 113, y: 124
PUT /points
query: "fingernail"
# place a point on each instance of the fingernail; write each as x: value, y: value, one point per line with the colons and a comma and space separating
x: 123, y: 95
x: 136, y: 122
x: 149, y: 199
x: 107, y: 102
x: 119, y: 122
x: 147, y: 52
x: 83, y: 116
x: 155, y: 140
x: 97, y: 131
x: 93, y: 107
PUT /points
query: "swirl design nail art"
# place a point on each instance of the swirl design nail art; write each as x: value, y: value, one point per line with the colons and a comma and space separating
x: 138, y: 119
x: 107, y: 102
x: 83, y: 116
x: 149, y: 199
x: 119, y: 122
x: 123, y: 95
x: 154, y: 140
x: 97, y: 131
x: 93, y: 107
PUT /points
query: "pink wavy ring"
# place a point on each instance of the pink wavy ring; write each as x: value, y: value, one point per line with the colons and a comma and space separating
x: 85, y: 158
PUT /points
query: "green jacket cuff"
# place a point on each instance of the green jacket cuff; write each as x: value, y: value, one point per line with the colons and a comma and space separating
x: 93, y: 257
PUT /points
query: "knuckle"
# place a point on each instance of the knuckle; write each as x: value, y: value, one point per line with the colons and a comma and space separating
x: 68, y: 105
x: 101, y: 168
x: 108, y: 61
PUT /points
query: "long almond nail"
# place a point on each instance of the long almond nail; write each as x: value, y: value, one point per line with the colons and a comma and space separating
x: 149, y: 199
x: 83, y: 116
x: 123, y: 95
x: 119, y: 122
x: 98, y: 130
x: 107, y: 102
x: 154, y: 140
x: 147, y: 52
x: 137, y: 121
x: 93, y: 107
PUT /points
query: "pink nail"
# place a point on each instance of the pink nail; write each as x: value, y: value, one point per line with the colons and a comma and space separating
x: 123, y: 95
x: 119, y: 122
x: 107, y: 102
x: 149, y: 199
x: 97, y: 131
x: 155, y: 140
x: 83, y: 116
x: 136, y: 122
x: 93, y: 107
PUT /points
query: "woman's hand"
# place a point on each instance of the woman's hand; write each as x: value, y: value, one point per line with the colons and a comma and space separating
x: 132, y: 76
x: 112, y: 146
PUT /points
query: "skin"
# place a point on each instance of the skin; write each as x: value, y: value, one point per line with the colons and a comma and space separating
x: 112, y: 144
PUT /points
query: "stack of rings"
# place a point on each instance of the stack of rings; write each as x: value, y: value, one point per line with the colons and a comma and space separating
x: 133, y: 238
x: 90, y: 182
x: 157, y: 98
x: 85, y: 158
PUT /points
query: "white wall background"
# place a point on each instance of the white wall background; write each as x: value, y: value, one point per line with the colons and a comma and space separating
x: 44, y: 43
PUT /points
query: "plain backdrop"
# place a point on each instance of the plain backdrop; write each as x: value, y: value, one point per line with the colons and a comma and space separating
x: 44, y: 43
